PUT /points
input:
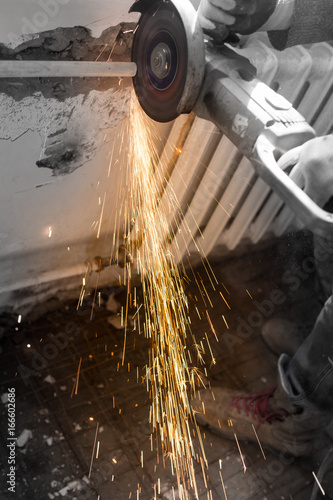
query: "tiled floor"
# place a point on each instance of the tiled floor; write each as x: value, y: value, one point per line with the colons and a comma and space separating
x: 68, y: 422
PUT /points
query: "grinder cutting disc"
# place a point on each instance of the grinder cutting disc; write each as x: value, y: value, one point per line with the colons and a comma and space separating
x: 165, y: 84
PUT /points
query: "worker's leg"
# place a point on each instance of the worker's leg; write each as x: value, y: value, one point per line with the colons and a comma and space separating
x: 283, y: 336
x: 307, y: 377
x: 323, y: 254
x: 288, y: 417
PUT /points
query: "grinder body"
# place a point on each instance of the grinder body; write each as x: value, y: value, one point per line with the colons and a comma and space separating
x: 219, y: 85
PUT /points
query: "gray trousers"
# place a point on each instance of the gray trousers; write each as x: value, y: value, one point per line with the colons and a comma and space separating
x: 307, y: 377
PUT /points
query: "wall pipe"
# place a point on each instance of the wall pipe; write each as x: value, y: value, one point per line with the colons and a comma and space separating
x: 86, y: 268
x: 66, y: 69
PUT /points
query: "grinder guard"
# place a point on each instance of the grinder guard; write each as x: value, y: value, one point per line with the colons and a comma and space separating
x: 168, y: 48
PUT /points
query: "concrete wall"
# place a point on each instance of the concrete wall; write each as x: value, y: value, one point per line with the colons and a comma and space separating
x: 21, y: 17
x: 56, y: 140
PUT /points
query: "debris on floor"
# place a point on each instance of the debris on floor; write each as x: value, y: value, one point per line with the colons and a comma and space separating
x: 90, y: 444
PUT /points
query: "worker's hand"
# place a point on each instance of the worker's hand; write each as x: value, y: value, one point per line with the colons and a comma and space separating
x: 218, y: 17
x: 313, y: 170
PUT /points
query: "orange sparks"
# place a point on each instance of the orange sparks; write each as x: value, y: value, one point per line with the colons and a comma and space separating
x: 240, y: 452
x: 225, y: 494
x: 76, y: 383
x: 101, y: 217
x: 93, y: 451
x: 163, y: 317
x: 261, y: 448
x: 225, y: 321
x: 211, y: 325
x: 225, y: 300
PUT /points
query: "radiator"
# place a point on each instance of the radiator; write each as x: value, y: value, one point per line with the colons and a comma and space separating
x: 222, y: 202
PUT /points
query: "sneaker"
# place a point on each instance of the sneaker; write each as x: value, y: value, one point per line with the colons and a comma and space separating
x: 257, y: 417
x: 284, y: 337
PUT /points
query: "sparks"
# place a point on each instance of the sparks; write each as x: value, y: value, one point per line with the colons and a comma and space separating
x: 76, y: 383
x: 319, y: 485
x: 101, y: 217
x: 225, y: 300
x: 93, y: 451
x: 225, y: 321
x: 163, y: 316
x: 240, y: 452
x: 261, y: 448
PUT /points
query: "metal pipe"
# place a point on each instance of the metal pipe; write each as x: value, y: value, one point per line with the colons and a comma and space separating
x: 66, y: 69
x: 86, y: 268
x: 47, y: 277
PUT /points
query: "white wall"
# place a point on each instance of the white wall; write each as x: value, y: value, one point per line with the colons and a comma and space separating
x: 49, y: 223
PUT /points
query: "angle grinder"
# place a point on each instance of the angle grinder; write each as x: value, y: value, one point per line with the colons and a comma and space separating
x: 178, y: 72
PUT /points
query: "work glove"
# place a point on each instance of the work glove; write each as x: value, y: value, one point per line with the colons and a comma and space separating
x: 219, y: 17
x: 313, y: 168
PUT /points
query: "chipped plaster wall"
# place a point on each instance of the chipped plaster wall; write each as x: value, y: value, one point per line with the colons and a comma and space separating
x: 22, y: 17
x: 67, y: 113
x: 56, y: 138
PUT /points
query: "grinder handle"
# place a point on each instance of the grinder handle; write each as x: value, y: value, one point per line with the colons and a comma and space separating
x: 315, y: 218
